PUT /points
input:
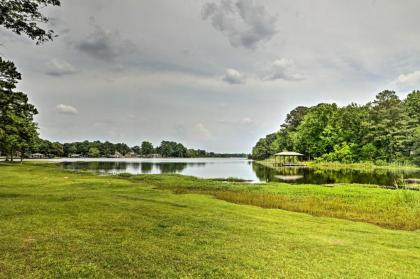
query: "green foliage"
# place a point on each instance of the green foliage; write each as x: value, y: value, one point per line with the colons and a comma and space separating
x: 294, y: 118
x: 341, y: 153
x: 94, y: 152
x: 17, y: 130
x: 172, y: 149
x: 315, y: 135
x: 416, y: 147
x: 382, y: 130
x: 263, y: 149
x: 368, y: 152
x: 25, y: 17
x: 147, y: 148
x: 387, y: 127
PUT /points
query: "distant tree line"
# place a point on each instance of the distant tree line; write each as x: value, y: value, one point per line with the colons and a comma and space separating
x: 94, y: 149
x: 385, y: 130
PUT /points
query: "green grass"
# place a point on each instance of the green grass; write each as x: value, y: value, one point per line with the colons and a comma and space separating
x: 396, y: 209
x: 57, y: 224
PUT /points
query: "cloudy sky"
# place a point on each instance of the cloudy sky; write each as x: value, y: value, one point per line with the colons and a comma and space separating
x: 216, y: 74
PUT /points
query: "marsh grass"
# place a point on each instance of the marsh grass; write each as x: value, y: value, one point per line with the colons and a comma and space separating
x: 394, y: 209
x: 397, y: 215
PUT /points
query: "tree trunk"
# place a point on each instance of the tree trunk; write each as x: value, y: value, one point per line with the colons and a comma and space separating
x: 11, y: 156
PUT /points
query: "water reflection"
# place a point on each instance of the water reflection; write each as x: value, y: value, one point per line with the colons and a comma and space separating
x: 318, y: 176
x: 243, y: 169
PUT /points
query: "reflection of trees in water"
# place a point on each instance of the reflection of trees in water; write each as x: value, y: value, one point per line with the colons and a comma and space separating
x: 146, y: 167
x: 263, y: 173
x: 101, y: 166
x: 322, y: 176
x: 285, y: 174
x: 171, y: 167
x: 378, y: 176
x: 198, y: 164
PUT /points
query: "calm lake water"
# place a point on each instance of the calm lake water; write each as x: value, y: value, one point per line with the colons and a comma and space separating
x: 236, y: 168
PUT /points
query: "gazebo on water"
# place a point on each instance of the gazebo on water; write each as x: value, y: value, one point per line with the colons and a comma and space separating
x: 287, y: 159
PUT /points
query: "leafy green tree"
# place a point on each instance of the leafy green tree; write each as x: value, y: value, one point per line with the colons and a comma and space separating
x: 180, y: 151
x: 107, y: 149
x: 136, y: 149
x: 27, y: 136
x: 93, y: 152
x: 122, y: 148
x: 294, y: 118
x: 415, y: 153
x: 83, y: 147
x: 172, y: 149
x: 263, y: 149
x: 313, y: 136
x: 69, y: 149
x: 368, y: 152
x: 16, y: 113
x: 147, y: 148
x: 412, y: 108
x: 387, y: 128
x: 412, y: 105
x: 342, y: 153
x: 25, y: 17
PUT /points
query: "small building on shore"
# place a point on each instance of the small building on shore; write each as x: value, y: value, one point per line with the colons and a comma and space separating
x: 75, y: 156
x: 116, y: 155
x: 37, y: 156
x: 131, y: 155
x: 288, y: 159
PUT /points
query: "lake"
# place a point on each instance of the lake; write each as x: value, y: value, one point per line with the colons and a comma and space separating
x: 237, y: 168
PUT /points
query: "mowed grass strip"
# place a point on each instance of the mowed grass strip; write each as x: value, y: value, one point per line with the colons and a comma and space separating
x: 57, y: 224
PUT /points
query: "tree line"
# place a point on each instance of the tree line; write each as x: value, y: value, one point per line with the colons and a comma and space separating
x: 384, y: 130
x: 94, y: 149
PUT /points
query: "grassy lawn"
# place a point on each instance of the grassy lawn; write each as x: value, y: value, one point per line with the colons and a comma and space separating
x: 67, y: 225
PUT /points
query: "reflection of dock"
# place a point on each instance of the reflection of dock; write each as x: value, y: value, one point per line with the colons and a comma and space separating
x: 289, y: 177
x: 290, y: 165
x: 412, y: 180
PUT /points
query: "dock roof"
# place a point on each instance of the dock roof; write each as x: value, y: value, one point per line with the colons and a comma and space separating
x: 288, y: 153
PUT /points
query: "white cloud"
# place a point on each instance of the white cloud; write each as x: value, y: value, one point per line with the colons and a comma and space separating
x: 244, y: 22
x: 408, y: 81
x: 232, y: 76
x: 66, y: 109
x: 105, y: 45
x: 201, y: 130
x: 57, y: 67
x: 284, y: 69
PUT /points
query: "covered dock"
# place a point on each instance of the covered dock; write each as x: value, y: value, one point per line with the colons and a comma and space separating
x: 288, y: 159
